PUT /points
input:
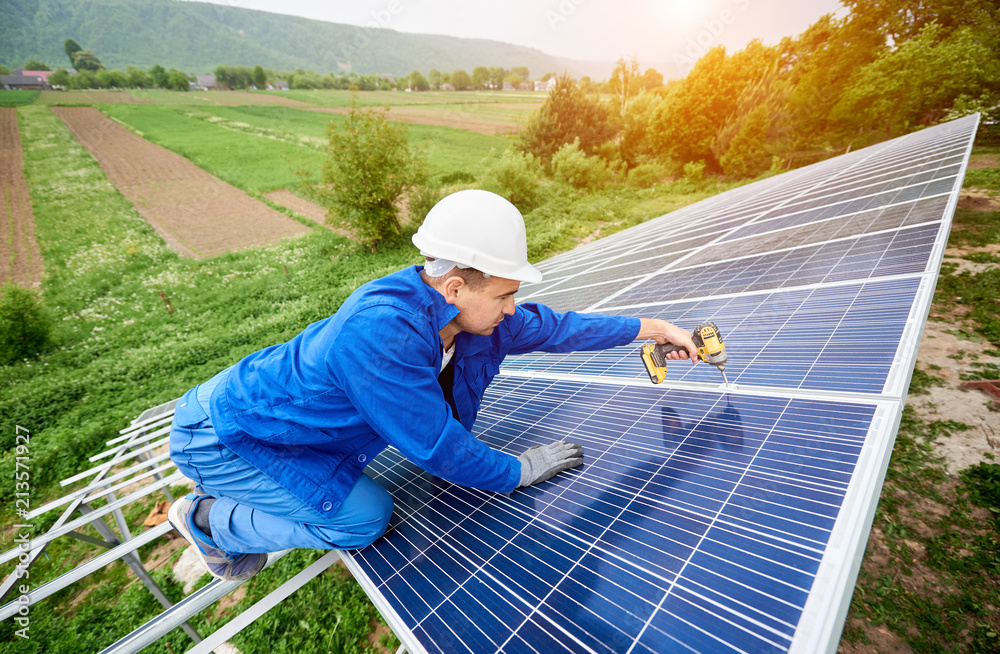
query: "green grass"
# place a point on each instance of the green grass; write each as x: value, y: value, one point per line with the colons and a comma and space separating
x: 17, y: 98
x: 399, y: 98
x: 119, y: 351
x: 259, y: 148
x: 986, y: 178
x: 934, y: 584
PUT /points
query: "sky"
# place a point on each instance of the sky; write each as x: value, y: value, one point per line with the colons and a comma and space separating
x: 675, y: 32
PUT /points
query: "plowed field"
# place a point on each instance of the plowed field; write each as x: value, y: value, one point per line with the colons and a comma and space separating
x: 448, y: 116
x: 20, y: 258
x: 196, y: 213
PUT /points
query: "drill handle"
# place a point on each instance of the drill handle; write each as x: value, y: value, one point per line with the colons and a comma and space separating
x: 667, y: 348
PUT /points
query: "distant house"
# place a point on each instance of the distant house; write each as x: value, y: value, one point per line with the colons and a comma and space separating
x: 207, y: 83
x: 447, y: 87
x: 281, y: 85
x: 19, y: 81
x: 44, y: 74
x: 548, y: 85
x: 507, y: 86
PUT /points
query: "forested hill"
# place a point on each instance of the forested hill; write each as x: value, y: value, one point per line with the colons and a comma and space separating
x: 196, y: 37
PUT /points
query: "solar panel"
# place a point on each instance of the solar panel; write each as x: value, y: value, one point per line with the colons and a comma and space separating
x: 705, y: 518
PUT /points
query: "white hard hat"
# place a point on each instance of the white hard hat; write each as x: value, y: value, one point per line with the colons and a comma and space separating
x: 480, y: 230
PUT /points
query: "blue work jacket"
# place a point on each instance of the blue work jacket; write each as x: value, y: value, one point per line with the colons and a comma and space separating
x: 312, y: 412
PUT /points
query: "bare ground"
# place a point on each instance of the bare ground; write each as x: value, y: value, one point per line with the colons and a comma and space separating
x: 20, y: 257
x: 196, y: 213
x: 451, y: 117
x: 245, y: 98
x: 90, y: 97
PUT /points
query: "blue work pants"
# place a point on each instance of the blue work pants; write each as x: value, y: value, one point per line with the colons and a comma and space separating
x: 252, y: 512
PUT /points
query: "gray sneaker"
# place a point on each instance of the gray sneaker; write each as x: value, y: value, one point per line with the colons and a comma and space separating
x: 223, y: 565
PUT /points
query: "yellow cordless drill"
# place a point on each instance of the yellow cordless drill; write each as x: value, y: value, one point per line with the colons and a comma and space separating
x: 707, y: 338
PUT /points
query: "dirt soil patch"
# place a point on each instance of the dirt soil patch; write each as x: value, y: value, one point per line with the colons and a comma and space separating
x: 453, y: 116
x: 245, y: 98
x: 90, y: 97
x: 20, y: 257
x: 289, y: 200
x: 977, y: 161
x: 951, y: 355
x: 196, y: 213
x: 978, y: 201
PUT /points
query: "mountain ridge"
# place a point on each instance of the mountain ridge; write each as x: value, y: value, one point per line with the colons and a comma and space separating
x: 196, y: 37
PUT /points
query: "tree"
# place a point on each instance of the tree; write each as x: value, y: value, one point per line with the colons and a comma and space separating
x: 418, y: 82
x: 513, y: 79
x: 86, y: 60
x: 481, y: 77
x: 521, y: 71
x: 625, y: 82
x: 651, y: 80
x: 4, y: 70
x: 369, y: 165
x: 59, y: 78
x: 567, y: 114
x: 159, y: 76
x: 434, y: 78
x: 137, y: 77
x: 686, y: 123
x: 34, y: 64
x: 259, y: 78
x: 497, y: 73
x: 178, y: 81
x: 71, y: 47
x: 918, y: 81
x: 461, y: 80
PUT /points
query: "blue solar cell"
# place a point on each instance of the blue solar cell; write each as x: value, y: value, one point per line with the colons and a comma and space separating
x: 684, y: 511
x: 787, y: 339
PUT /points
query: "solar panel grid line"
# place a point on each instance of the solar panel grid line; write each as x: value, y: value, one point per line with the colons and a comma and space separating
x: 905, y: 248
x: 790, y: 248
x: 680, y: 574
x: 715, y: 241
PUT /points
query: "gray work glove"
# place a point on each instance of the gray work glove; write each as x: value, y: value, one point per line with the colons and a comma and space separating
x: 543, y: 462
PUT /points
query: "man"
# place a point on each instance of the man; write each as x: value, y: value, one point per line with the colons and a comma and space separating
x: 278, y: 443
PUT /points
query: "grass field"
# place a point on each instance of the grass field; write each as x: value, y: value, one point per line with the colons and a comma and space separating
x: 17, y: 98
x: 399, y: 98
x: 259, y: 148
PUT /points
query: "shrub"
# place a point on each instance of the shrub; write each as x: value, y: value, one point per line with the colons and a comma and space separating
x: 694, y: 171
x: 647, y: 174
x: 457, y: 177
x: 514, y: 175
x: 369, y: 165
x: 24, y: 324
x: 421, y: 200
x: 571, y: 165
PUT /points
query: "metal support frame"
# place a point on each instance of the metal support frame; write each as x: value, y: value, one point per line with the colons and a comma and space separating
x: 134, y: 444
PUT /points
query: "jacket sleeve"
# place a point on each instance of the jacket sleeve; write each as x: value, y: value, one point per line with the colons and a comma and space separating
x: 387, y: 369
x: 537, y: 327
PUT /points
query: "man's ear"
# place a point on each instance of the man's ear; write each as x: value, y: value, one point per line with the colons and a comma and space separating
x: 453, y: 287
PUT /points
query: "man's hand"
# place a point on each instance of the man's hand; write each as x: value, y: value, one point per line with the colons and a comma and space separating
x: 543, y: 462
x: 663, y: 332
